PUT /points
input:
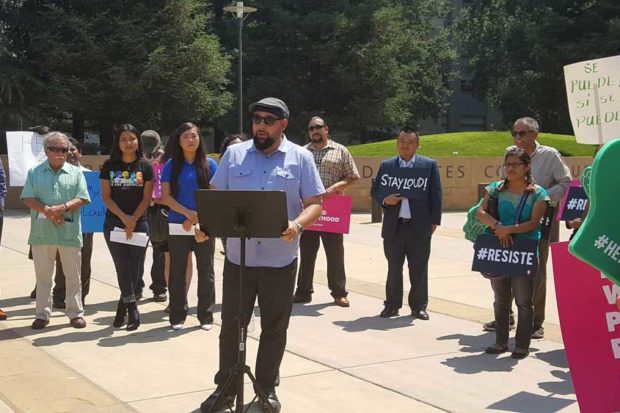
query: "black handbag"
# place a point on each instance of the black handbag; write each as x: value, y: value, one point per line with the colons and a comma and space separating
x: 157, y: 216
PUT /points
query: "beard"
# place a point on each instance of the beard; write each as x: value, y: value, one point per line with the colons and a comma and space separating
x: 316, y: 138
x: 262, y: 144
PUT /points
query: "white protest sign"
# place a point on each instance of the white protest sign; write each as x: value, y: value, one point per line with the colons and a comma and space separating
x: 592, y: 88
x: 25, y: 150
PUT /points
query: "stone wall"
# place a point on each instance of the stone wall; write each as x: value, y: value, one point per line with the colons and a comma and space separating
x: 460, y: 177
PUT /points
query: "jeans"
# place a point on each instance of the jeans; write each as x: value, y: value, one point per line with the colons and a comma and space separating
x: 128, y: 259
x: 522, y: 289
x: 274, y: 288
x: 180, y: 246
x: 334, y: 252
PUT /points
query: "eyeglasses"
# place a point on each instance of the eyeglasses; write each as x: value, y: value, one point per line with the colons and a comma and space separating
x: 57, y: 149
x: 269, y: 120
x: 520, y: 134
x: 511, y: 165
x: 315, y: 127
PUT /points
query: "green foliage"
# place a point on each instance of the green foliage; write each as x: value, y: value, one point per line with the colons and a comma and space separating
x: 151, y: 63
x: 370, y: 64
x: 472, y: 144
x: 517, y: 50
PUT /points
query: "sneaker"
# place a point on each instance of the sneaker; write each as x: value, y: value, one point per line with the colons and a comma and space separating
x: 176, y: 327
x: 538, y: 332
x: 490, y: 326
x: 160, y: 298
x: 207, y: 326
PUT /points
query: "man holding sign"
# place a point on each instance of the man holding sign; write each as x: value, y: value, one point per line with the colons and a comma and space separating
x: 409, y: 188
x: 337, y: 171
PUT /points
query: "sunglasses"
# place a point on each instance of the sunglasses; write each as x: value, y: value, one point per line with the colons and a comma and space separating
x: 269, y: 120
x: 57, y: 149
x: 315, y: 127
x: 520, y: 134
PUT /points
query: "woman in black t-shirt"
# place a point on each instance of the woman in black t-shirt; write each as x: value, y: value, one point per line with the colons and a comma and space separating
x: 126, y: 188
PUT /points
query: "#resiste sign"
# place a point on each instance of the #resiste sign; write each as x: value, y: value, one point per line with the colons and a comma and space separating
x: 593, y: 99
x: 586, y: 302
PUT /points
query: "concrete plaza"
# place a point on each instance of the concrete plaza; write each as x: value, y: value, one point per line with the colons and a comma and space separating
x: 337, y: 359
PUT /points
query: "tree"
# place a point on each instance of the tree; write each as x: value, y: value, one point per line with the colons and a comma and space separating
x: 105, y: 62
x: 517, y: 49
x: 368, y: 64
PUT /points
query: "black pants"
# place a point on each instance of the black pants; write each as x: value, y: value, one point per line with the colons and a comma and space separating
x: 59, y: 291
x: 128, y: 259
x: 158, y: 269
x: 521, y: 289
x: 417, y: 250
x: 180, y: 246
x: 274, y: 288
x: 334, y: 252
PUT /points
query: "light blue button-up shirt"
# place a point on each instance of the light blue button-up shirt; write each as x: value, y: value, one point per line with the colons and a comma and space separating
x: 289, y: 168
x: 405, y: 212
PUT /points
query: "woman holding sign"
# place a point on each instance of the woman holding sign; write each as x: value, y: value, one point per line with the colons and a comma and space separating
x: 188, y: 170
x: 126, y: 189
x: 521, y: 205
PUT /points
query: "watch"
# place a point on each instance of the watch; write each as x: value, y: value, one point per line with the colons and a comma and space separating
x: 300, y: 229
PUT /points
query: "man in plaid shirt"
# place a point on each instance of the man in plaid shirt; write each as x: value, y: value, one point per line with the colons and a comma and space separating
x: 337, y: 171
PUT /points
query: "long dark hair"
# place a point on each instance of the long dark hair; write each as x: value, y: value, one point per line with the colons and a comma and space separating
x: 177, y: 157
x: 115, y: 152
x: 525, y: 158
x: 228, y: 139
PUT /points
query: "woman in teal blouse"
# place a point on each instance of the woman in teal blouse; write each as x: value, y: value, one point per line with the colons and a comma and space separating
x: 509, y: 192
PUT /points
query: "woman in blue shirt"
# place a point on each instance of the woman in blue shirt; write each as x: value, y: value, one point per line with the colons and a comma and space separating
x: 517, y: 185
x: 188, y: 170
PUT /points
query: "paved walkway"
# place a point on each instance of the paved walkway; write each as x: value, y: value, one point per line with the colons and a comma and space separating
x: 337, y: 360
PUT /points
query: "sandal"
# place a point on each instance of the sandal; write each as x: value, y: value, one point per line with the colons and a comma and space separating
x: 497, y: 348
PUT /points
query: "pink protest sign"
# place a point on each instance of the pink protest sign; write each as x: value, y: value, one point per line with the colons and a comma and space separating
x: 336, y: 215
x: 157, y: 170
x: 590, y: 324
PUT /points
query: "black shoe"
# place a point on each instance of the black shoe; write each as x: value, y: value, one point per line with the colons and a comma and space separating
x: 121, y: 312
x: 490, y: 326
x: 160, y: 298
x: 497, y: 349
x: 138, y: 296
x: 212, y: 404
x: 133, y: 316
x: 273, y: 401
x: 422, y: 314
x: 302, y: 298
x: 520, y: 354
x: 389, y: 312
x: 58, y: 304
x: 33, y: 293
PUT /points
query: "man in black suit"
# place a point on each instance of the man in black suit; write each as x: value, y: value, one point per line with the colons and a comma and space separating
x: 409, y: 221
